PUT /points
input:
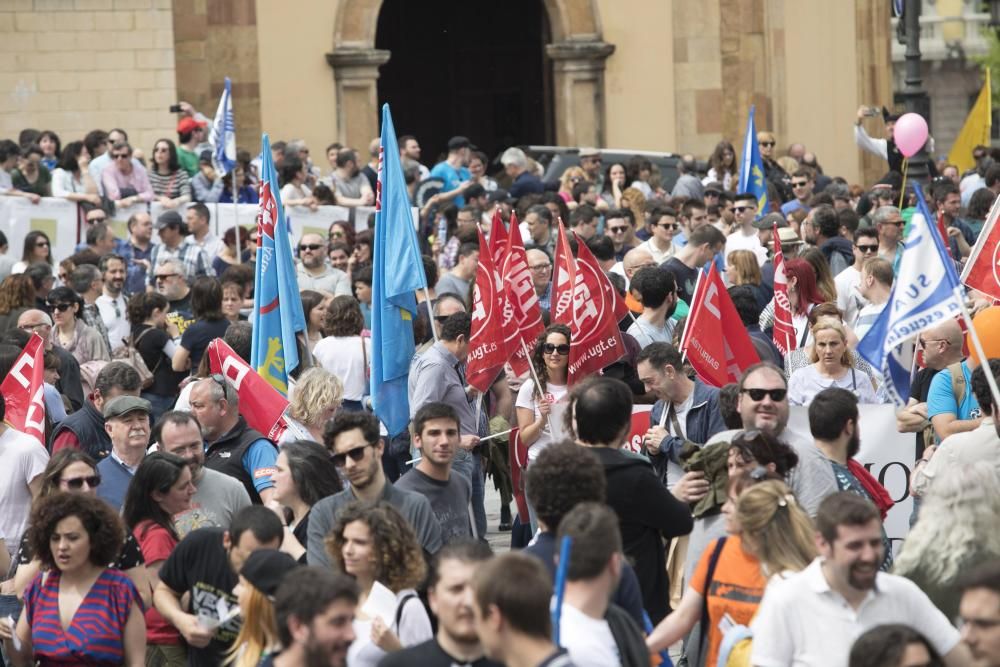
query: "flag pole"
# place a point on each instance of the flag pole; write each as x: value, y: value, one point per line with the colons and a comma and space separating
x: 902, y: 189
x: 978, y: 345
x: 430, y: 311
x: 236, y: 219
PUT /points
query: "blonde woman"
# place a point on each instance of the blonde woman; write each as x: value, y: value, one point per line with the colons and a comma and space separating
x: 317, y: 397
x: 259, y: 578
x: 742, y: 268
x: 831, y: 365
x: 567, y: 181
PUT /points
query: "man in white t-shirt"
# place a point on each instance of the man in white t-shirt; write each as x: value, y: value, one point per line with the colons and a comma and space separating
x: 22, y: 462
x: 596, y: 632
x: 663, y: 223
x: 813, y: 617
x: 849, y: 300
x: 875, y: 286
x: 745, y: 237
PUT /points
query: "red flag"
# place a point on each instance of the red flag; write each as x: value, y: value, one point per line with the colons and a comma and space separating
x: 982, y: 270
x: 718, y: 354
x: 580, y: 300
x: 784, y: 331
x: 491, y: 326
x: 23, y: 391
x: 260, y: 404
x: 521, y: 299
x: 498, y: 238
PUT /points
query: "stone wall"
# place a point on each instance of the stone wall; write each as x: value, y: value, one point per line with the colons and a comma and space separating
x: 76, y: 65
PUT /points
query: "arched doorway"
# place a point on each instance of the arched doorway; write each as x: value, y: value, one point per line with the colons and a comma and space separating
x: 576, y: 52
x: 469, y: 68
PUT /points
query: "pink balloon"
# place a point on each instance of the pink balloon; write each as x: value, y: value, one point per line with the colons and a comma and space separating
x: 910, y: 133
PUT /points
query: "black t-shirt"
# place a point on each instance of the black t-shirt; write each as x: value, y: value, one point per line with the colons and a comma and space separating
x: 685, y: 276
x: 919, y: 389
x: 430, y: 654
x: 180, y: 312
x: 199, y: 565
x: 150, y: 346
x: 197, y: 337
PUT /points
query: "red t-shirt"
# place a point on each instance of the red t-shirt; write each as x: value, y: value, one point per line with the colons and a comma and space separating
x: 156, y: 544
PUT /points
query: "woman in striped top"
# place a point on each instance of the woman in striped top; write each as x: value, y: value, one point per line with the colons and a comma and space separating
x: 170, y: 183
x: 79, y: 611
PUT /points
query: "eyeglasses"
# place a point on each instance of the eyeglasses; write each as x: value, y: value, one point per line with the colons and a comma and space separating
x: 34, y: 327
x: 41, y: 244
x: 310, y: 246
x: 923, y: 343
x: 120, y: 156
x: 617, y: 230
x: 561, y: 350
x: 777, y: 395
x: 865, y: 249
x: 356, y: 454
x: 766, y: 144
x: 162, y: 277
x: 441, y: 319
x: 712, y: 193
x: 668, y: 225
x: 60, y: 307
x: 540, y: 267
x: 337, y: 234
x: 799, y: 184
x: 76, y: 483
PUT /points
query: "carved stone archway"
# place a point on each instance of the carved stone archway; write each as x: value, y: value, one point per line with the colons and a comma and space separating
x: 577, y: 51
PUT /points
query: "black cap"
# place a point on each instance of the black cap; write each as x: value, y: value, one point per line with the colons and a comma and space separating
x: 169, y: 218
x: 458, y: 142
x: 205, y: 157
x: 499, y: 195
x: 266, y: 568
x: 770, y: 220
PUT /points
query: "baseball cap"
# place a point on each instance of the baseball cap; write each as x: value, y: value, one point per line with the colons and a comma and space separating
x: 770, y: 220
x: 458, y: 142
x: 189, y: 125
x: 205, y: 157
x: 168, y: 218
x: 122, y: 405
x: 266, y: 568
x: 499, y: 195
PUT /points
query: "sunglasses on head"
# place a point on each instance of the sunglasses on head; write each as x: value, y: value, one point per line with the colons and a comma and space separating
x: 562, y: 350
x: 777, y: 395
x: 356, y: 454
x: 76, y: 483
x: 310, y: 246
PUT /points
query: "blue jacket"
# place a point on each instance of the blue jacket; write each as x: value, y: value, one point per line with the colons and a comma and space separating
x: 703, y: 420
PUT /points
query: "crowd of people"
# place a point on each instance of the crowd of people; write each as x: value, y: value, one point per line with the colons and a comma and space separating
x: 155, y: 526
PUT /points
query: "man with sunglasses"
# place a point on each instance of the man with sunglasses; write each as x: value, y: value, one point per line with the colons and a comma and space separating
x: 763, y: 405
x: 590, y: 162
x: 663, y: 223
x: 889, y: 223
x: 849, y: 299
x: 354, y: 440
x: 802, y: 186
x: 313, y: 270
x: 175, y: 245
x: 125, y: 182
x: 744, y: 237
x: 617, y: 225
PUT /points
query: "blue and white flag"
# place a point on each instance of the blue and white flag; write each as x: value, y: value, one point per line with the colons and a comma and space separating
x: 752, y: 167
x: 223, y: 137
x: 926, y: 293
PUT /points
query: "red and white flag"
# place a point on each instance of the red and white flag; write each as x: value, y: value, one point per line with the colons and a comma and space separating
x: 582, y: 299
x: 521, y: 299
x: 492, y: 327
x: 24, y: 392
x: 784, y: 330
x: 982, y: 270
x: 718, y: 354
x: 261, y: 404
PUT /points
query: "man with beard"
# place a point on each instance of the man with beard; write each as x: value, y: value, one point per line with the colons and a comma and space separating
x: 111, y: 303
x: 313, y: 271
x: 657, y: 290
x: 833, y: 421
x: 350, y: 184
x: 450, y: 594
x: 812, y: 617
x: 353, y: 438
x: 314, y: 610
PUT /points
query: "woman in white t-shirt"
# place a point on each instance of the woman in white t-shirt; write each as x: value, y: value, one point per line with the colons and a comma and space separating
x: 832, y: 366
x: 345, y: 352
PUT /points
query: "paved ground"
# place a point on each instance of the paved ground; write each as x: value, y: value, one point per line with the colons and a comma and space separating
x: 499, y: 541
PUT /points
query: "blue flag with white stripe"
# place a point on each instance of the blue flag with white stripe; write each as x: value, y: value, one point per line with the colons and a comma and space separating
x: 926, y: 293
x: 752, y: 167
x: 223, y: 137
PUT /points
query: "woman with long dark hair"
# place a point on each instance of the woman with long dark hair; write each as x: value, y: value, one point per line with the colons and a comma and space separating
x: 210, y: 323
x: 314, y: 306
x: 170, y: 182
x: 160, y: 489
x: 37, y: 248
x: 152, y: 335
x: 304, y: 474
x: 722, y: 167
x: 17, y: 294
x: 71, y: 179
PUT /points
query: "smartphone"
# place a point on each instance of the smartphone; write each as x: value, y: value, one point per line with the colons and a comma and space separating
x: 175, y: 108
x: 872, y: 111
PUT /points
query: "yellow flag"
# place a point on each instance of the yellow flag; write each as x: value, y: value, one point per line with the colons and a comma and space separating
x: 975, y: 132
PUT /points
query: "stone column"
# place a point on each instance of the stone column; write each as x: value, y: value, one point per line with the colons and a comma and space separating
x: 578, y: 84
x: 355, y: 71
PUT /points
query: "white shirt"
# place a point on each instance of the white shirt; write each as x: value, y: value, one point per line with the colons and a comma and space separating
x: 740, y: 241
x: 114, y: 312
x: 588, y: 640
x: 849, y: 299
x: 553, y: 430
x: 979, y: 444
x: 22, y: 459
x: 211, y: 244
x: 343, y: 356
x: 659, y: 256
x: 801, y: 621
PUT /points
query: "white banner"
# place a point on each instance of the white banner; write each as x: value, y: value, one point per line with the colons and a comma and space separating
x: 56, y: 217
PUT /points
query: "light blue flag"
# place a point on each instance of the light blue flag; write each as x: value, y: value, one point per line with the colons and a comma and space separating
x: 277, y: 307
x: 223, y: 137
x: 926, y: 293
x: 752, y: 167
x: 397, y: 273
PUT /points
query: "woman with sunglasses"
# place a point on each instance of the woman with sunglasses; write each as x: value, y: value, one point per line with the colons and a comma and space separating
x: 767, y: 534
x: 375, y: 544
x: 539, y: 424
x: 345, y: 352
x: 161, y: 488
x: 37, y: 248
x: 79, y: 611
x: 70, y: 332
x: 304, y: 474
x: 832, y: 366
x: 72, y: 471
x: 570, y: 178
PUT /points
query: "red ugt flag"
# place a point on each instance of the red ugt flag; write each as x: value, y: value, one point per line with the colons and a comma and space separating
x: 718, y: 355
x: 581, y: 299
x: 491, y: 326
x: 982, y: 271
x: 784, y: 331
x: 521, y: 299
x: 23, y: 391
x: 260, y: 403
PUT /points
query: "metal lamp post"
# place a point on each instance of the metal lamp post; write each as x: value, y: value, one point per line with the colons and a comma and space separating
x: 914, y: 96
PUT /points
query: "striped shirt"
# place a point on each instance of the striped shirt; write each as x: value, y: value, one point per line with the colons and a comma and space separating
x: 97, y: 634
x: 195, y: 260
x: 174, y: 185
